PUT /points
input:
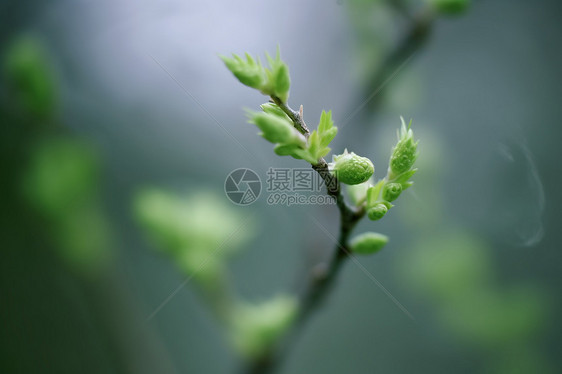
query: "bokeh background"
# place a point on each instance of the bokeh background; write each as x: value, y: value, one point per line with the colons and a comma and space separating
x: 108, y: 107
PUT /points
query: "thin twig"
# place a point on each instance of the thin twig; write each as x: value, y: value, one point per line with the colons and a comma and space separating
x: 319, y: 284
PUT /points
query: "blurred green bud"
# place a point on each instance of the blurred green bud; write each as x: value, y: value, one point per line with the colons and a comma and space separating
x: 61, y: 185
x: 391, y: 191
x: 277, y: 130
x: 62, y: 175
x: 30, y: 76
x: 351, y: 169
x: 450, y: 6
x: 249, y: 72
x: 404, y: 154
x: 369, y: 242
x: 255, y: 327
x: 194, y: 229
x: 207, y: 267
x: 377, y: 212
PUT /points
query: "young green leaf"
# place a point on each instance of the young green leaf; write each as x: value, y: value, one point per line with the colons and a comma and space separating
x: 326, y: 129
x: 314, y: 145
x: 368, y: 243
x: 373, y: 193
x: 272, y: 108
x: 294, y: 151
x: 276, y: 129
x: 278, y: 79
x: 404, y: 177
x: 326, y: 122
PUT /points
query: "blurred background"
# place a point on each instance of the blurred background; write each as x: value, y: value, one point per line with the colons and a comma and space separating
x: 120, y: 124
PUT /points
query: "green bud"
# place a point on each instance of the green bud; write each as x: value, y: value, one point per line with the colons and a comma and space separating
x: 249, y: 72
x: 272, y: 81
x: 391, y: 191
x: 450, y: 6
x: 369, y: 242
x: 352, y: 169
x: 277, y: 130
x: 377, y: 212
x: 404, y: 154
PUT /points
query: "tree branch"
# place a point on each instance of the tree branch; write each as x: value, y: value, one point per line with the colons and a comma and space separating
x: 319, y: 284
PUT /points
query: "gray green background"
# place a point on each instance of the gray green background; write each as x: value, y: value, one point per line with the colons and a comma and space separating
x: 484, y: 94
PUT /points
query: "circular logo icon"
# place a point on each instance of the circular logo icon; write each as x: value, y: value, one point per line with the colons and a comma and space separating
x: 242, y: 186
